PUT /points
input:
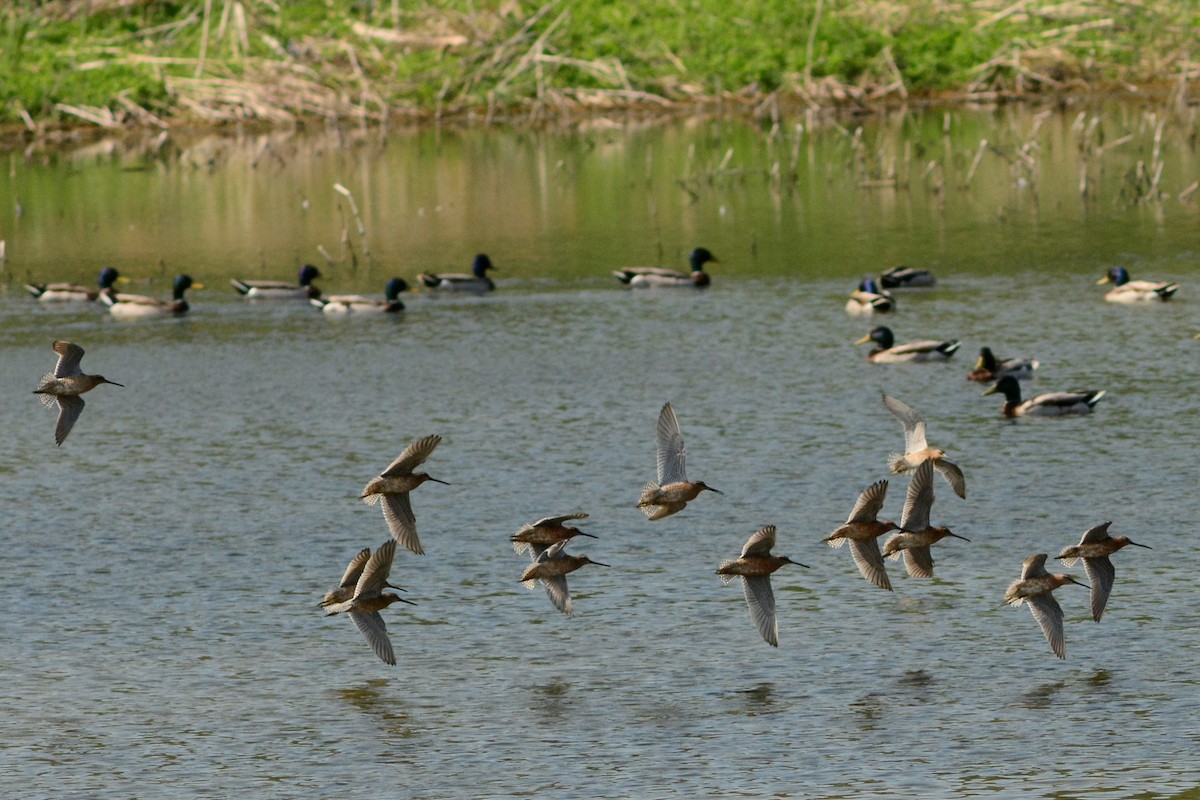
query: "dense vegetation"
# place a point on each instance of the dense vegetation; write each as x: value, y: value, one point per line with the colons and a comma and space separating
x: 122, y: 62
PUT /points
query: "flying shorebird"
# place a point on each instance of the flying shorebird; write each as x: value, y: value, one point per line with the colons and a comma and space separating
x: 755, y: 566
x: 1094, y: 548
x: 673, y: 490
x: 1034, y: 588
x: 916, y: 534
x: 369, y: 598
x: 862, y: 530
x: 354, y: 570
x: 65, y: 384
x: 916, y: 449
x: 546, y: 531
x: 551, y: 567
x: 391, y: 490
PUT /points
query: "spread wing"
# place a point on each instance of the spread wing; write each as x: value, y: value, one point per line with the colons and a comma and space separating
x: 914, y: 425
x: 761, y: 601
x: 870, y: 562
x: 869, y: 503
x: 1096, y: 534
x: 69, y: 356
x: 670, y: 448
x: 412, y: 456
x: 550, y: 522
x: 1101, y: 575
x: 1034, y: 567
x: 355, y: 568
x: 919, y: 562
x: 1049, y: 615
x: 919, y: 499
x: 397, y: 511
x: 953, y: 476
x: 375, y: 573
x: 372, y: 627
x: 760, y: 542
x: 69, y: 409
x: 556, y: 590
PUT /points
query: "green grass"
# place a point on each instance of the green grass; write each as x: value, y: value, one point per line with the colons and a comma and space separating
x: 303, y: 56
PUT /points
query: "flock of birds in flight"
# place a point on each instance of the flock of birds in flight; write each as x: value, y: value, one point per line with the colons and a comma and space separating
x: 361, y: 592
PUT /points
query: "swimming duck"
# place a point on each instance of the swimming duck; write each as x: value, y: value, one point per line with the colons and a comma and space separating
x: 1094, y: 548
x: 136, y: 306
x: 906, y: 277
x: 65, y: 384
x: 1127, y: 291
x: 478, y: 281
x: 989, y: 368
x: 280, y: 290
x: 359, y: 304
x: 1034, y: 589
x: 73, y: 293
x: 889, y: 352
x: 868, y: 298
x: 657, y: 277
x: 1053, y: 404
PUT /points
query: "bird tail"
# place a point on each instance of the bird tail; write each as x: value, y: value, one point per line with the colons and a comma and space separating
x: 726, y: 577
x: 1165, y: 292
x: 949, y: 348
x: 623, y: 276
x: 896, y: 464
x: 241, y: 287
x: 1095, y: 398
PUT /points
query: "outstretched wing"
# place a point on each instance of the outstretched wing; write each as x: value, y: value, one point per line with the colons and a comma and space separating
x: 760, y: 542
x: 869, y: 503
x: 919, y: 561
x: 953, y: 476
x: 355, y: 568
x: 1049, y: 615
x: 69, y: 356
x: 761, y: 601
x: 397, y: 511
x: 870, y: 562
x: 375, y: 573
x: 556, y: 590
x: 550, y: 522
x: 1101, y: 575
x: 413, y: 455
x: 919, y: 499
x: 69, y: 409
x: 372, y: 627
x: 670, y: 448
x: 914, y: 425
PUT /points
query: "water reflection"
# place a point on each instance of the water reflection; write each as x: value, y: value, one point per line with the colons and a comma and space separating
x: 385, y: 709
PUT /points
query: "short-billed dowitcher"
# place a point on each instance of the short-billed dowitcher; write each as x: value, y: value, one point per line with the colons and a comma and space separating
x: 546, y: 531
x: 989, y: 368
x: 658, y: 277
x: 137, y: 306
x: 477, y: 281
x: 369, y: 599
x: 71, y: 292
x: 1034, y: 588
x: 361, y: 304
x: 1127, y: 291
x: 755, y: 566
x: 551, y: 567
x: 65, y: 384
x: 862, y: 530
x: 888, y: 352
x: 917, y: 449
x: 916, y: 533
x: 1053, y: 404
x: 903, y: 277
x: 391, y: 490
x: 1094, y: 548
x: 345, y: 590
x: 673, y: 490
x: 280, y: 290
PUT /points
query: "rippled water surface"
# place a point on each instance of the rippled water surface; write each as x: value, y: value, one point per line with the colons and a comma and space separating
x: 162, y: 567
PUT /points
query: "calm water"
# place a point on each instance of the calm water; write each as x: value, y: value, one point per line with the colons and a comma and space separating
x: 162, y: 567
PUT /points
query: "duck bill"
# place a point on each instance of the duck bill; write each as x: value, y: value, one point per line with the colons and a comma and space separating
x: 993, y: 389
x: 864, y: 339
x: 1104, y: 280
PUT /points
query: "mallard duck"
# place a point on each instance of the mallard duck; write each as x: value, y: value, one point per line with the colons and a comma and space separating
x: 1044, y: 405
x: 906, y: 277
x: 478, y: 281
x: 888, y: 352
x: 359, y: 304
x: 65, y: 384
x: 657, y: 277
x: 1127, y: 291
x: 989, y: 368
x: 136, y: 306
x: 868, y: 298
x: 73, y: 293
x: 1094, y: 548
x: 280, y: 290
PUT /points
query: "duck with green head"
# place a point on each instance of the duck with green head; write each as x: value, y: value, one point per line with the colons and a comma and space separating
x: 888, y: 352
x: 136, y: 306
x: 868, y: 298
x: 338, y: 304
x: 477, y: 281
x: 280, y: 290
x: 1128, y: 291
x: 1053, y: 404
x: 661, y: 278
x: 989, y: 368
x: 74, y: 293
